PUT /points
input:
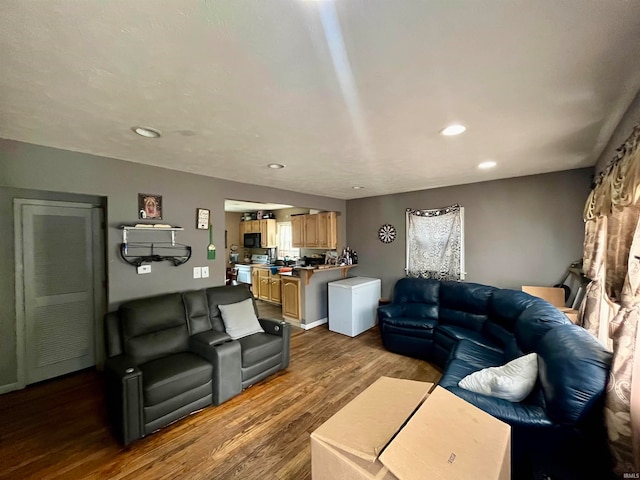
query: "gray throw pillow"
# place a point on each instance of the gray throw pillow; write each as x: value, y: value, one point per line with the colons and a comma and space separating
x: 240, y: 319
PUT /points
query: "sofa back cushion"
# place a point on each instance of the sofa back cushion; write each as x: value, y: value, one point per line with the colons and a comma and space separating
x: 418, y: 297
x: 154, y: 327
x: 416, y: 290
x: 507, y: 305
x: 573, y: 371
x: 225, y: 295
x: 197, y: 308
x: 464, y: 304
x: 534, y: 322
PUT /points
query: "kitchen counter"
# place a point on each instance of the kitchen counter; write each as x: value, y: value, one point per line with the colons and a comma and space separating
x: 307, y: 272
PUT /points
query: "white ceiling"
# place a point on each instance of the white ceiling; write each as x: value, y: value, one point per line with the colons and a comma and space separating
x: 344, y: 93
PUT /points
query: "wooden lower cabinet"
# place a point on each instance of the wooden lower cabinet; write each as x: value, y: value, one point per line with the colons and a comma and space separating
x: 255, y: 282
x: 274, y: 289
x: 291, y: 297
x: 268, y: 286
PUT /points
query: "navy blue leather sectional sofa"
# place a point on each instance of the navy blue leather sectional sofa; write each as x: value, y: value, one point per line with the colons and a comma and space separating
x: 465, y: 327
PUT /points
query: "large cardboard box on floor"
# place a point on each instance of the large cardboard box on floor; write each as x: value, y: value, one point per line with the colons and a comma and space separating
x: 391, y: 432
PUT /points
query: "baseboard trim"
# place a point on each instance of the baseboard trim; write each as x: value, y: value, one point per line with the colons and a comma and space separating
x: 9, y: 388
x: 317, y: 323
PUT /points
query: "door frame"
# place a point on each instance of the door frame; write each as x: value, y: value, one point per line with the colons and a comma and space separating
x: 99, y: 280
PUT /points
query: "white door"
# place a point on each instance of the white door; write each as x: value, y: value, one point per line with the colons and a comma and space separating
x: 59, y: 303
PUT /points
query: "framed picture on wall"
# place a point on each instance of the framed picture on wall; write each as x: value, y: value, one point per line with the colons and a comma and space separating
x: 149, y: 206
x: 202, y: 218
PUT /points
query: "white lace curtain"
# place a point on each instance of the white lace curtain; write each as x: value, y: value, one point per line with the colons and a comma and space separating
x: 435, y: 243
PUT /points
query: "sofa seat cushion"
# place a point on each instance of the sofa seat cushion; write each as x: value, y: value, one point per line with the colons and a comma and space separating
x: 259, y: 347
x: 415, y: 327
x: 456, y: 370
x: 448, y: 335
x: 476, y: 355
x: 516, y: 414
x: 173, y: 375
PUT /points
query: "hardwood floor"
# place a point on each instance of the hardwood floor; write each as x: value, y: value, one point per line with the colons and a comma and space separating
x: 58, y: 429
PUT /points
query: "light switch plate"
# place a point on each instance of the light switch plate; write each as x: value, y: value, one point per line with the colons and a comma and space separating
x: 205, y: 272
x: 144, y: 269
x: 197, y: 272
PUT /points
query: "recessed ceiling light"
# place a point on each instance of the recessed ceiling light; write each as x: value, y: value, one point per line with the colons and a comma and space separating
x: 358, y: 187
x: 454, y: 129
x: 146, y: 132
x: 487, y: 164
x: 276, y: 166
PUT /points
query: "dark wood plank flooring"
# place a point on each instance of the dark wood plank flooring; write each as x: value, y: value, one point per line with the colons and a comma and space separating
x: 58, y: 429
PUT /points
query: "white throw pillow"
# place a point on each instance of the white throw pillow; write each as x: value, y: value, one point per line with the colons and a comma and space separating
x: 240, y: 319
x: 513, y: 381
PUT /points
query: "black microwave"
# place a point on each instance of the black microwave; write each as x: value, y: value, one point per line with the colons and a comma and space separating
x: 252, y: 240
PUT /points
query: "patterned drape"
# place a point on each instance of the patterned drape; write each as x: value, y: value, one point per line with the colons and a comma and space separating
x: 611, y: 308
x: 435, y: 242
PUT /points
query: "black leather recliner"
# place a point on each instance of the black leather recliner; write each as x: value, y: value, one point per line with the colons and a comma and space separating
x: 169, y: 356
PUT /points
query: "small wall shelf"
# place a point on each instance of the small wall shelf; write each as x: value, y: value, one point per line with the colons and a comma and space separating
x: 137, y: 253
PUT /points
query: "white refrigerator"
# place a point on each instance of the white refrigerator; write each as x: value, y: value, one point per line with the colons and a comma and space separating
x: 353, y: 305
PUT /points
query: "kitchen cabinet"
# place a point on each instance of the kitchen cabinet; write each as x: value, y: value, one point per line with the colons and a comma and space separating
x: 297, y: 230
x: 255, y: 281
x: 269, y: 286
x: 311, y: 230
x: 266, y: 228
x: 291, y: 297
x: 327, y: 235
x: 315, y: 230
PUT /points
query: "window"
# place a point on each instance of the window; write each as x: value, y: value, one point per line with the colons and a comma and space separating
x: 435, y: 243
x: 284, y: 239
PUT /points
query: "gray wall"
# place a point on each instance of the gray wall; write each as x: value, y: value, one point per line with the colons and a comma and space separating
x: 519, y: 231
x: 32, y: 167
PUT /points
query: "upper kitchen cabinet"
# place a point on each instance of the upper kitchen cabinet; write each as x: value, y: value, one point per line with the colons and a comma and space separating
x: 311, y: 231
x: 315, y: 230
x: 266, y: 229
x: 327, y: 230
x: 297, y: 230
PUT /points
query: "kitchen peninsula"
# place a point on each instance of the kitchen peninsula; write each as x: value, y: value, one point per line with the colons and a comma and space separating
x: 304, y: 292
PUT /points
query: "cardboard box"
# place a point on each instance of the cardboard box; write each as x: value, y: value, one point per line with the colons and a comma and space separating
x: 553, y: 295
x: 571, y: 313
x: 390, y: 432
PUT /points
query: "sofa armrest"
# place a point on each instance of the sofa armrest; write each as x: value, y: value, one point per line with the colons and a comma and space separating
x: 225, y: 356
x: 389, y: 311
x: 208, y: 338
x: 282, y: 329
x: 123, y: 384
x: 274, y: 327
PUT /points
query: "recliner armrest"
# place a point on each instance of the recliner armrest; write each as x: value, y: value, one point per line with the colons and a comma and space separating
x: 208, y: 338
x: 121, y: 366
x: 225, y: 355
x: 282, y: 329
x: 123, y: 384
x: 274, y: 327
x: 389, y: 311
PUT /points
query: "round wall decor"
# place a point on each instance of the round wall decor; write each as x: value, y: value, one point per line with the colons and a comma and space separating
x: 387, y: 233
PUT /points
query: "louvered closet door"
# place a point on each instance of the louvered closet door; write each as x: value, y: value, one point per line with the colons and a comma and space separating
x: 58, y: 291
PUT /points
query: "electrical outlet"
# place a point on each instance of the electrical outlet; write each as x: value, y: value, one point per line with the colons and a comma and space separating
x: 205, y: 272
x: 144, y: 269
x: 197, y: 272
